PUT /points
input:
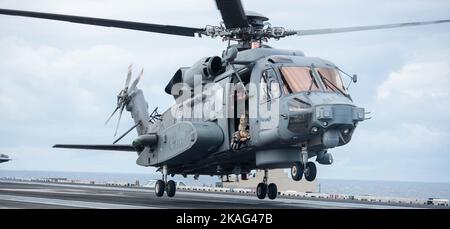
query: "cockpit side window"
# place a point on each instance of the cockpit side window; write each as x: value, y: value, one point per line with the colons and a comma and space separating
x: 269, y: 86
x: 298, y: 79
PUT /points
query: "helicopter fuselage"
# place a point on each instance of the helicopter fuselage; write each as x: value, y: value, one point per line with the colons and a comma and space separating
x: 284, y: 116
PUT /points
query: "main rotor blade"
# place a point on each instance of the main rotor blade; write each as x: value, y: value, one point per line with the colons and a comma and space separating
x: 98, y: 147
x: 156, y: 28
x: 130, y: 69
x: 135, y: 82
x: 362, y: 28
x: 233, y: 14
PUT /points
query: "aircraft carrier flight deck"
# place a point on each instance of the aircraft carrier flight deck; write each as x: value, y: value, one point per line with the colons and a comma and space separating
x: 32, y: 195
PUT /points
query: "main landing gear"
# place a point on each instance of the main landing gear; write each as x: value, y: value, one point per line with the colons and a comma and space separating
x: 304, y: 167
x: 263, y: 189
x: 164, y: 185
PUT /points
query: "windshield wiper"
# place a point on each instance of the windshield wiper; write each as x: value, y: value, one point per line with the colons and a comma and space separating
x: 328, y: 82
x: 325, y: 82
x: 313, y: 81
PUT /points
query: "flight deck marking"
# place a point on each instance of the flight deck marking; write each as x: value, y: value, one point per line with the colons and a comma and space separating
x: 71, y: 203
x: 64, y: 191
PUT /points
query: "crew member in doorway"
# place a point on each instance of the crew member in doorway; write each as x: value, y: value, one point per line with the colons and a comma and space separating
x: 242, y: 135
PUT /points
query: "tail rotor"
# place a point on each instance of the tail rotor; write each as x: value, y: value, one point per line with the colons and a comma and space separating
x: 124, y: 96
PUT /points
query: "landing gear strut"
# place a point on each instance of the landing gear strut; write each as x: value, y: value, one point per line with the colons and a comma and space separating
x: 304, y: 167
x: 263, y: 189
x: 164, y: 185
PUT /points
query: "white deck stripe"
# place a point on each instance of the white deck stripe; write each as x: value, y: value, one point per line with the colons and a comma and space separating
x: 70, y: 203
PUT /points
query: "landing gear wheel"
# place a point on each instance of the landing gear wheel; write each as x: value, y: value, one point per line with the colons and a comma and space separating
x: 159, y: 188
x: 297, y: 171
x: 171, y: 188
x: 272, y: 191
x: 310, y: 171
x: 261, y: 190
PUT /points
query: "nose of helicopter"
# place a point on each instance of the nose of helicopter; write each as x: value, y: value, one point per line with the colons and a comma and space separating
x: 337, y: 122
x: 328, y: 118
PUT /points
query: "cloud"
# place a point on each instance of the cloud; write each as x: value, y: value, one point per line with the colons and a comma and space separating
x: 38, y: 78
x: 417, y: 93
x: 414, y: 105
x: 418, y: 82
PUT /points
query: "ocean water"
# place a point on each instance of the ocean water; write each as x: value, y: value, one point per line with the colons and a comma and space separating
x: 418, y: 190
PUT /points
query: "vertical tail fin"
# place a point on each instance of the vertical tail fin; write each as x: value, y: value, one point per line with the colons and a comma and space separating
x: 138, y: 107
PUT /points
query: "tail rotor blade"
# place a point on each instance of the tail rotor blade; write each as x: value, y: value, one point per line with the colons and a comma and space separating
x: 118, y: 121
x: 127, y: 132
x: 130, y: 70
x: 136, y: 81
x: 117, y: 108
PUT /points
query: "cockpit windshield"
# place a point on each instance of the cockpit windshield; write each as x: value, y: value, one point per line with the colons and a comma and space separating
x: 298, y: 79
x: 331, y: 79
x: 301, y: 79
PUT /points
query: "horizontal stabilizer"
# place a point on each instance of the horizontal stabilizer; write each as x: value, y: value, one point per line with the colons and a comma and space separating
x: 98, y: 147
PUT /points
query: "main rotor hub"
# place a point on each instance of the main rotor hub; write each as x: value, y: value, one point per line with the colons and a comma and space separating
x: 256, y: 19
x: 258, y: 30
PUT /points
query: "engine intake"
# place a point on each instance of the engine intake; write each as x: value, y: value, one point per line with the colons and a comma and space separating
x: 207, y: 68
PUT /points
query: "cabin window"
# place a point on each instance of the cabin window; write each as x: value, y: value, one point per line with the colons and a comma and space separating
x: 298, y: 79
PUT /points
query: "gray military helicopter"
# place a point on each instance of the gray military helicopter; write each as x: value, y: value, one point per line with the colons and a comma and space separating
x: 254, y: 107
x: 4, y: 158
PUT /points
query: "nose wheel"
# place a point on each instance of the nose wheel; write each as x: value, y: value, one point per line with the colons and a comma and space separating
x: 304, y: 167
x: 297, y: 171
x: 263, y: 190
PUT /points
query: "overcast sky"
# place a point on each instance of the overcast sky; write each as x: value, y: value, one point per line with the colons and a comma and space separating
x: 59, y: 80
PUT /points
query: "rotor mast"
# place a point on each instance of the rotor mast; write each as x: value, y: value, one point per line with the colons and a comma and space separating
x: 257, y: 30
x: 244, y: 27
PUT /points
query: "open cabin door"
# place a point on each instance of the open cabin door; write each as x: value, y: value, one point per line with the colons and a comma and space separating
x: 238, y: 103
